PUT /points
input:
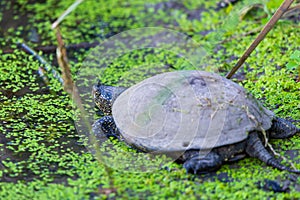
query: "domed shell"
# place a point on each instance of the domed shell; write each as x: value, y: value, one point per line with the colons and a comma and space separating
x: 176, y: 111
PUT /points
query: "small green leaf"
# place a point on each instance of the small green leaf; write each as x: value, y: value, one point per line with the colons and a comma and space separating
x: 296, y: 55
x: 291, y: 65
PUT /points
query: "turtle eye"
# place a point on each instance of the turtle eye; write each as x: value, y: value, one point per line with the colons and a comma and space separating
x: 95, y: 90
x: 96, y: 93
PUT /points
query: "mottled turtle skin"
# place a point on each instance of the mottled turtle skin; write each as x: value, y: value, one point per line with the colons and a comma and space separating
x: 200, y: 118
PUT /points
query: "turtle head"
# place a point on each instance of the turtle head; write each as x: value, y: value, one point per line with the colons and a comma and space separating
x: 104, y: 96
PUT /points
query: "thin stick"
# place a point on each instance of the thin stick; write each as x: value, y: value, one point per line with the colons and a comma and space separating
x: 62, y: 59
x: 52, y: 49
x: 283, y: 7
x: 46, y: 66
x: 68, y: 11
x: 72, y: 89
x: 292, y: 11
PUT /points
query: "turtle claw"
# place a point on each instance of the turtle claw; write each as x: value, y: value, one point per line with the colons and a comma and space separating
x: 274, y: 163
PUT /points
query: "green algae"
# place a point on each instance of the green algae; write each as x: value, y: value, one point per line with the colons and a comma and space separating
x: 42, y: 157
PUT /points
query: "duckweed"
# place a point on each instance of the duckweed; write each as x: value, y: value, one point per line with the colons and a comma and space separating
x: 43, y: 156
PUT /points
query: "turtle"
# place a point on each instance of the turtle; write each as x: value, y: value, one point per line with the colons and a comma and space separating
x: 199, y: 118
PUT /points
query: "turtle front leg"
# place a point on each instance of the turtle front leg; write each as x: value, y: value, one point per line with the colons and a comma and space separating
x: 106, y: 126
x: 199, y: 164
x: 282, y: 128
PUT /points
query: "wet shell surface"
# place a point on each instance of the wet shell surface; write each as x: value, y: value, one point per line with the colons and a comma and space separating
x: 177, y: 111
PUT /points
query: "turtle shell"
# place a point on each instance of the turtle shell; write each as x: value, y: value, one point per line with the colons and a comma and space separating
x: 181, y: 110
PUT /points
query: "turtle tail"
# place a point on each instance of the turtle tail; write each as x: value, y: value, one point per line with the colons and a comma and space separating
x: 255, y: 148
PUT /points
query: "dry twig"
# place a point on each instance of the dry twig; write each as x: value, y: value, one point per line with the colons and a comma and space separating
x: 282, y: 9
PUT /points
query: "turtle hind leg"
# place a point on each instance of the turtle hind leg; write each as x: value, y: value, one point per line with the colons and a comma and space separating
x: 282, y: 128
x: 256, y: 149
x: 199, y: 164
